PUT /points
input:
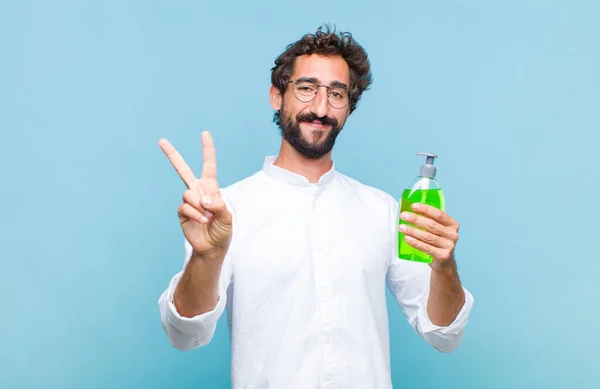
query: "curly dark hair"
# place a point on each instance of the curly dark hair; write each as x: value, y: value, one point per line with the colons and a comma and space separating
x: 327, y: 43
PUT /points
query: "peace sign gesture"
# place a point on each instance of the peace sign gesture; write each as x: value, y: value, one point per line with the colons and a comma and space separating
x: 205, y: 220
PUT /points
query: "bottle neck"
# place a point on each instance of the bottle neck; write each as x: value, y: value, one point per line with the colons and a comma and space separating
x: 425, y: 182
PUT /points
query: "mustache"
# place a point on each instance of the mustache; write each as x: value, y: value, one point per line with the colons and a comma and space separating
x: 311, y: 117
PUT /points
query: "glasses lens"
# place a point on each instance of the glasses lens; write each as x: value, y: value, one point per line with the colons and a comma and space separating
x: 338, y: 97
x: 305, y: 90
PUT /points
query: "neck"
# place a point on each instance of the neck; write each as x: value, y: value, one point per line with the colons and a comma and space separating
x: 289, y: 159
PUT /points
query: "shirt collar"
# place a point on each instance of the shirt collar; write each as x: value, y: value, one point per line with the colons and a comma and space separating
x: 289, y: 177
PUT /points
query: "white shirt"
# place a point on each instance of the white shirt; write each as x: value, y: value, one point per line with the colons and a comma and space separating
x: 304, y: 285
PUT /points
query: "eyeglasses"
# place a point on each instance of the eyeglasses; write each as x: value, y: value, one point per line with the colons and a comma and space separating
x: 305, y: 91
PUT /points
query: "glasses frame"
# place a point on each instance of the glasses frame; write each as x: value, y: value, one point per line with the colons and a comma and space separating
x: 327, y: 87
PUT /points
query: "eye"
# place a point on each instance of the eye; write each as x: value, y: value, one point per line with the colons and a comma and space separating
x: 306, y: 88
x: 338, y: 93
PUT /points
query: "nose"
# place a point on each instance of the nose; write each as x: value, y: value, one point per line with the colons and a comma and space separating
x: 320, y: 106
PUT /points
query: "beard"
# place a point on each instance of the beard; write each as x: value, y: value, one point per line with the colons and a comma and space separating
x: 291, y: 132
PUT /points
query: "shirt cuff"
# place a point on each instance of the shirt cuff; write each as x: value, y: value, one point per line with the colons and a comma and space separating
x: 426, y: 326
x: 198, y: 324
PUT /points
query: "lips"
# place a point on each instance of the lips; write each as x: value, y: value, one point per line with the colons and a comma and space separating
x: 317, y: 124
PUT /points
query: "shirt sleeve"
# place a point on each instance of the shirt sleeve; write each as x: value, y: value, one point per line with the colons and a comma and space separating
x: 188, y: 333
x: 409, y: 282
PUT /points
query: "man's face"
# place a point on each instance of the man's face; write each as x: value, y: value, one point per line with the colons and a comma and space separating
x: 312, y: 127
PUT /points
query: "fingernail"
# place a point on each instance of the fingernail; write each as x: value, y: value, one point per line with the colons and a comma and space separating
x: 206, y: 200
x: 203, y: 219
x: 405, y: 216
x: 208, y: 213
x: 403, y: 227
x: 416, y: 206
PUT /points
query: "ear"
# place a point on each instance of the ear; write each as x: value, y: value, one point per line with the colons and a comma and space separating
x: 275, y: 98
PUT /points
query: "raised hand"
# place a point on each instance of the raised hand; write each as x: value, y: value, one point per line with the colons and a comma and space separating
x: 205, y: 220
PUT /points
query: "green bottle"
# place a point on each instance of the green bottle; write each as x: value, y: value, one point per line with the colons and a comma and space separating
x: 424, y: 189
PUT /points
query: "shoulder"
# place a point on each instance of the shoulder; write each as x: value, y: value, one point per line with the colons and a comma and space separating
x: 245, y: 189
x: 361, y: 189
x: 366, y: 193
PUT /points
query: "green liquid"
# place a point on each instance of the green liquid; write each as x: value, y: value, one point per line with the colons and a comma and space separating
x: 433, y: 197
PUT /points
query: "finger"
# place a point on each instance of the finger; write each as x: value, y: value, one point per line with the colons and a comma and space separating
x: 217, y: 206
x: 436, y: 214
x: 178, y: 163
x: 436, y: 253
x: 209, y: 167
x: 194, y: 199
x: 186, y: 210
x: 430, y: 225
x: 427, y: 237
x: 199, y: 188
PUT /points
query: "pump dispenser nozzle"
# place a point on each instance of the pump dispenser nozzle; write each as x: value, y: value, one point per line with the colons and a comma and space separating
x: 427, y: 169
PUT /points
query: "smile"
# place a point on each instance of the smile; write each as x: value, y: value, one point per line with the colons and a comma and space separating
x: 317, y: 125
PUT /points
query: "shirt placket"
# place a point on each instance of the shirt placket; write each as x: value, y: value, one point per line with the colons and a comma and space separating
x: 321, y: 249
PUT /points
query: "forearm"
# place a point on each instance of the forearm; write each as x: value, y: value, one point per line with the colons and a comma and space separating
x: 446, y: 295
x: 197, y: 291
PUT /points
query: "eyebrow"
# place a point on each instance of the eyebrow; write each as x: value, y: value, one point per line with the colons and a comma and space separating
x: 317, y: 81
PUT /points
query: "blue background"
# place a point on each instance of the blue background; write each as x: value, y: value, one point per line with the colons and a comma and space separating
x: 506, y: 92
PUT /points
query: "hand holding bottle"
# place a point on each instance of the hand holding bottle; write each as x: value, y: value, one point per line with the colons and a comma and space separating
x: 430, y: 234
x: 436, y: 233
x: 205, y: 220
